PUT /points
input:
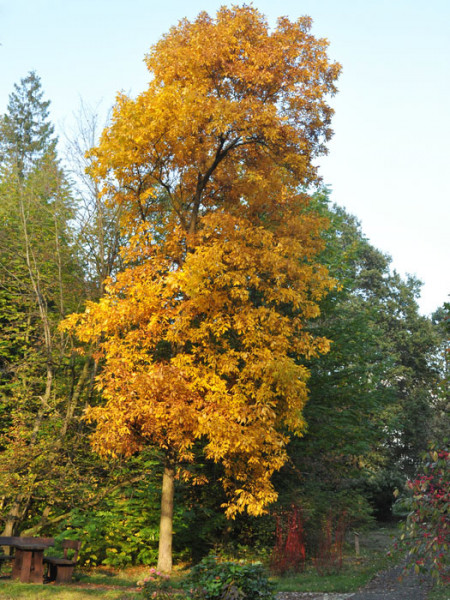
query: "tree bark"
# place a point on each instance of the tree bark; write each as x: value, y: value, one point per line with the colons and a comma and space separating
x: 166, y: 522
x: 13, y: 516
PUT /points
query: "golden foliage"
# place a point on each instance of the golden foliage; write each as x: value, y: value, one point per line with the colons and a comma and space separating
x: 202, y: 333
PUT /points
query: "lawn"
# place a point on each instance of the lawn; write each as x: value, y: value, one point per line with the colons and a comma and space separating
x: 28, y: 591
x: 100, y: 583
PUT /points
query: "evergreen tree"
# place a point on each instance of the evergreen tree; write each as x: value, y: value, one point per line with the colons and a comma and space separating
x: 39, y: 282
x: 26, y: 134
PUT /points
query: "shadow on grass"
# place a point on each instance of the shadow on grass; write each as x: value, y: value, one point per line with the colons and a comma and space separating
x: 12, y: 590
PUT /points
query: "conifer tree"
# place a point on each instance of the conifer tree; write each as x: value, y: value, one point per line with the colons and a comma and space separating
x: 39, y: 281
x: 26, y: 134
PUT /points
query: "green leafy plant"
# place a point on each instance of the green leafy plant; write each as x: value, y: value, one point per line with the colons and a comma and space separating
x: 121, y: 531
x: 212, y: 579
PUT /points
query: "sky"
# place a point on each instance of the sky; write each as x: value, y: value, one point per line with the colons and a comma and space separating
x: 388, y: 162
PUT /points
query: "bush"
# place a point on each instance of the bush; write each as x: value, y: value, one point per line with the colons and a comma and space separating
x: 211, y: 579
x: 289, y: 553
x: 157, y: 586
x: 427, y: 529
x: 120, y: 533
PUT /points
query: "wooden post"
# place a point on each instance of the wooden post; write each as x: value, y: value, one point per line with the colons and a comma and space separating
x: 356, y: 543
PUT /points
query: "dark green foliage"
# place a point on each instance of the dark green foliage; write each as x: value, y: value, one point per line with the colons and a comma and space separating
x: 441, y: 404
x: 370, y: 410
x: 212, y: 579
x: 199, y: 519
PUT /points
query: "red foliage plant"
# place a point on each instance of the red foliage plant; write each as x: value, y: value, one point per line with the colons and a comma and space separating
x: 289, y: 552
x: 427, y: 529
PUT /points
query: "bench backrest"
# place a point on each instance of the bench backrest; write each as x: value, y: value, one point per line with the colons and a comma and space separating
x: 71, y: 545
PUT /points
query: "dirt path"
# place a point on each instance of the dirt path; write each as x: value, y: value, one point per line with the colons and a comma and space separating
x: 393, y: 584
x: 387, y: 585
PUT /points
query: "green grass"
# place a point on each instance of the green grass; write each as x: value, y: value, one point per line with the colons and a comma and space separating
x: 85, y: 585
x: 353, y: 575
x: 439, y: 593
x: 28, y: 591
x: 109, y: 577
x: 348, y: 580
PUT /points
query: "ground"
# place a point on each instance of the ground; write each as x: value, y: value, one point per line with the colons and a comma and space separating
x: 392, y: 584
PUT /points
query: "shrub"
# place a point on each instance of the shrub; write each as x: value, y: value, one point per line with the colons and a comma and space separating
x: 157, y: 586
x: 289, y: 552
x: 427, y: 528
x: 211, y: 579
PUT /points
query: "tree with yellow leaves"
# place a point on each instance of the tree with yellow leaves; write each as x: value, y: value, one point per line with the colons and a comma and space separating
x: 201, y: 334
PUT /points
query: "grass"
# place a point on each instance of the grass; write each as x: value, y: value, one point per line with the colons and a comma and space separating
x: 102, y: 583
x: 29, y: 591
x: 439, y: 593
x: 349, y: 579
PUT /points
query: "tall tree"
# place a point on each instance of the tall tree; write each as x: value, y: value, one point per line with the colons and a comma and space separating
x: 441, y: 424
x: 26, y: 134
x: 39, y: 283
x: 201, y: 334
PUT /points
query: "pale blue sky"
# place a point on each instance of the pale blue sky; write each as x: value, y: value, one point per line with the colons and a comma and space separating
x: 389, y: 159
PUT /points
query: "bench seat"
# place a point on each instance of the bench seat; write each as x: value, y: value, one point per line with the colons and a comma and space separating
x: 60, y: 569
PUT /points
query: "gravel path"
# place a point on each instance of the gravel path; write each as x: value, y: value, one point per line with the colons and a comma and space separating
x: 393, y: 584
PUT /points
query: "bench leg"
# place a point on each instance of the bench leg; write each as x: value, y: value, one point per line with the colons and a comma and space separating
x: 17, y: 565
x: 25, y: 569
x: 64, y: 573
x: 51, y: 574
x: 37, y: 567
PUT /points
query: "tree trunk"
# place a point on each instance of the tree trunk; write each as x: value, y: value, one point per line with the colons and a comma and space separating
x: 165, y: 527
x: 13, y: 516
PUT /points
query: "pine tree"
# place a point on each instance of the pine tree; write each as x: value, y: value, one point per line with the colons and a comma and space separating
x: 39, y: 282
x: 26, y: 134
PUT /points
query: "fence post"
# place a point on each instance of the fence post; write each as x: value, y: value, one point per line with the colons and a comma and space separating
x: 356, y: 543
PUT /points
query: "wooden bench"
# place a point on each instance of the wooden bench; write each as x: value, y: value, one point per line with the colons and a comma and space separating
x: 60, y: 570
